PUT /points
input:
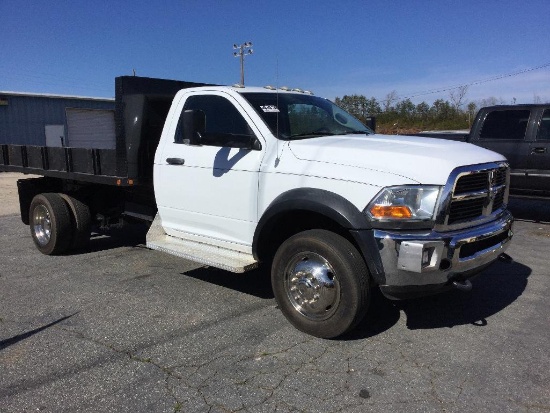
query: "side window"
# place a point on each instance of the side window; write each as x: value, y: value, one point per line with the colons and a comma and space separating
x: 223, y: 122
x: 544, y: 128
x: 505, y: 124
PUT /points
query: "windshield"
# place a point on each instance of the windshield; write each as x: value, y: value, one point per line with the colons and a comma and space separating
x: 294, y: 116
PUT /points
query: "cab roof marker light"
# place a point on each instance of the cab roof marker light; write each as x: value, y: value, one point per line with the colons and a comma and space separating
x: 238, y: 85
x: 285, y: 88
x: 308, y: 92
x: 269, y: 87
x: 298, y: 90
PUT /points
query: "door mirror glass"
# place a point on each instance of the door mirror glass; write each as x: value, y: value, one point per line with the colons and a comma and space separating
x: 193, y: 127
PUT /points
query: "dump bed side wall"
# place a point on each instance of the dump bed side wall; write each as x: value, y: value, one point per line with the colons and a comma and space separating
x: 140, y: 111
x: 141, y: 106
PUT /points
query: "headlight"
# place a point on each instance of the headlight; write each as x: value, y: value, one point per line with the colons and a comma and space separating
x: 404, y: 203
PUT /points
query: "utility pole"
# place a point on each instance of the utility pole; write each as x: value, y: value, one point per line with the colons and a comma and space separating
x: 242, y: 50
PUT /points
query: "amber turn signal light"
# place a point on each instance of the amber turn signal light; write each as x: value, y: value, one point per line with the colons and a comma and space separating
x: 390, y: 211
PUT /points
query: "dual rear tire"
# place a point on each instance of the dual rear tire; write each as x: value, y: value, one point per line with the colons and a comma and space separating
x: 59, y: 222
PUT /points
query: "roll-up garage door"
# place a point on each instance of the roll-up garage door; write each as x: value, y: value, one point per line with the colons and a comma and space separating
x: 91, y: 128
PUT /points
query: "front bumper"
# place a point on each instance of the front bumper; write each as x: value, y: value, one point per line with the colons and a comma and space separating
x: 421, y: 263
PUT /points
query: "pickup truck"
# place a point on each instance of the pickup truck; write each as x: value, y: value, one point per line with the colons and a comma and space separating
x: 232, y: 177
x: 522, y: 134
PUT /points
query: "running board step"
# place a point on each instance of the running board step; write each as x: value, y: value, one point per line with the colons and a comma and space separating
x: 202, y: 253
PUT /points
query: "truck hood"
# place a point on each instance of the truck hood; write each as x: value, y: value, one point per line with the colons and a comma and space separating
x: 424, y: 160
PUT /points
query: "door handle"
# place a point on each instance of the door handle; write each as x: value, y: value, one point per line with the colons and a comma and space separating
x: 538, y: 150
x: 175, y: 161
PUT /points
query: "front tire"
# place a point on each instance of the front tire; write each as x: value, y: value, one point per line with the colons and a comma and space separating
x: 50, y: 223
x: 321, y: 283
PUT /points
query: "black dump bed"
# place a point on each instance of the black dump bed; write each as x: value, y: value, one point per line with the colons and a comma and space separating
x: 141, y: 107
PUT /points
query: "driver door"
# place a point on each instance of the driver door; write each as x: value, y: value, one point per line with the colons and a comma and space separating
x: 209, y: 192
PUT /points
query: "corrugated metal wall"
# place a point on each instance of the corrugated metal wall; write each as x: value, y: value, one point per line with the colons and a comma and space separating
x: 23, y: 118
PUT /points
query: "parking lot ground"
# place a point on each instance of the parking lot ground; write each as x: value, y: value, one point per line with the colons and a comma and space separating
x: 121, y: 328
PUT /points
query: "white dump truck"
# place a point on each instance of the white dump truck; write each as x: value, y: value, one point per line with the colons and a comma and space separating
x: 234, y: 177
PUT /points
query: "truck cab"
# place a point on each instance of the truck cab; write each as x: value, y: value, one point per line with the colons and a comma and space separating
x: 522, y: 134
x: 244, y: 176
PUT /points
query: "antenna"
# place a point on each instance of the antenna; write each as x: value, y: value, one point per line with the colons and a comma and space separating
x: 278, y: 159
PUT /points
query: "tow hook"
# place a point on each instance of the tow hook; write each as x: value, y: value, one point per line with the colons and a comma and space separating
x: 462, y: 285
x: 505, y: 258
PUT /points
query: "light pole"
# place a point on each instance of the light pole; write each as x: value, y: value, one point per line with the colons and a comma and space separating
x: 242, y: 50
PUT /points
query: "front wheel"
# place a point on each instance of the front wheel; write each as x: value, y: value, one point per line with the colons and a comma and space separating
x: 321, y: 283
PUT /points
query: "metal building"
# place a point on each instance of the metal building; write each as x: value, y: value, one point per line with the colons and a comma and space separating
x: 56, y: 120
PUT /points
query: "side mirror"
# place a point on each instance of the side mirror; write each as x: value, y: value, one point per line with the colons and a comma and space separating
x: 252, y: 143
x: 193, y: 126
x: 256, y: 144
x: 371, y: 122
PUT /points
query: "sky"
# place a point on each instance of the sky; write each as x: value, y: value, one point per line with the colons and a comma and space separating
x: 418, y: 48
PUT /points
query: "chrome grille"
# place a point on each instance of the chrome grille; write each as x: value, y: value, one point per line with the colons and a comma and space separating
x: 500, y: 176
x: 466, y: 209
x: 477, y: 194
x: 470, y: 183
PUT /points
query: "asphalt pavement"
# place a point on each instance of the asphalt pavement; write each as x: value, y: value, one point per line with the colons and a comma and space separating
x: 121, y: 328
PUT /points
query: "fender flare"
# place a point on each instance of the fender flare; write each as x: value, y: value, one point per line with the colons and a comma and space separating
x: 320, y: 201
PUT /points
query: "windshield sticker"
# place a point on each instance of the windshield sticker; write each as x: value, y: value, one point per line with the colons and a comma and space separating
x: 270, y: 109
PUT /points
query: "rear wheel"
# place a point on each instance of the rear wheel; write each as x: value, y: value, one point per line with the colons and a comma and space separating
x: 80, y: 220
x: 50, y: 223
x: 321, y: 283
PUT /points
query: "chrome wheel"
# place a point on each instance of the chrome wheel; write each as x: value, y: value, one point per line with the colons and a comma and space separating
x: 312, y: 286
x: 42, y: 224
x: 320, y: 282
x: 50, y: 223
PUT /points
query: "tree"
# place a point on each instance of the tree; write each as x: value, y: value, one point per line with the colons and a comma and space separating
x: 457, y: 96
x: 423, y: 110
x: 393, y: 113
x: 405, y: 108
x: 359, y: 106
x: 441, y: 109
x: 350, y: 103
x: 389, y: 100
x: 491, y: 101
x: 373, y: 107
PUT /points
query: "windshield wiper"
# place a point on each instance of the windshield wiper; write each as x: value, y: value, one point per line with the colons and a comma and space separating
x: 317, y: 134
x: 312, y: 134
x: 356, y: 132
